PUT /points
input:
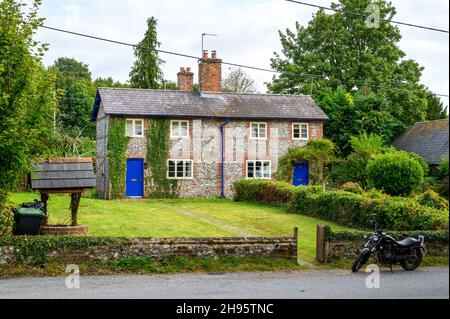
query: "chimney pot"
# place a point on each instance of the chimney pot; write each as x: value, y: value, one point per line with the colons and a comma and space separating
x: 205, y: 54
x: 185, y: 79
x: 210, y: 73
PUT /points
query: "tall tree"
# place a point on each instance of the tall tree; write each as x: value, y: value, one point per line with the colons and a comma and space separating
x: 146, y: 72
x: 435, y: 108
x: 341, y: 50
x: 238, y: 81
x: 76, y: 93
x: 109, y: 82
x: 26, y: 92
x: 354, y: 114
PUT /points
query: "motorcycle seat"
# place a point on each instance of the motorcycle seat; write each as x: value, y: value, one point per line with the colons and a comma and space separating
x: 408, y: 242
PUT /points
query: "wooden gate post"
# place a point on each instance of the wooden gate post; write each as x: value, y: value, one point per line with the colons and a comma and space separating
x: 296, y: 241
x: 320, y: 244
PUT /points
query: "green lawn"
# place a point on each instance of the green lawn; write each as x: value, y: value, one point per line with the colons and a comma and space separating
x: 182, y: 218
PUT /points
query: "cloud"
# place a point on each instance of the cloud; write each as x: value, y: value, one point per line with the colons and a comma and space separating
x: 248, y: 33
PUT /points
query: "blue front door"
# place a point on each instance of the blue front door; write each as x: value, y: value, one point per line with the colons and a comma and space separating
x: 135, y: 177
x: 301, y: 175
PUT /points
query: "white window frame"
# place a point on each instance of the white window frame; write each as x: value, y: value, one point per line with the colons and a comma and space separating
x: 184, y: 168
x: 262, y: 166
x: 258, y: 137
x: 133, y: 127
x: 179, y: 129
x: 300, y: 138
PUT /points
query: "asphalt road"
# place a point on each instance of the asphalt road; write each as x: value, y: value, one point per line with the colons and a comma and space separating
x: 422, y: 283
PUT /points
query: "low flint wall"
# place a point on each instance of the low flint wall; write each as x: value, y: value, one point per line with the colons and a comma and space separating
x: 42, y: 248
x: 331, y: 245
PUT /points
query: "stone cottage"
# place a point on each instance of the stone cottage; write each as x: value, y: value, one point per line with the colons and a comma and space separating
x: 216, y: 138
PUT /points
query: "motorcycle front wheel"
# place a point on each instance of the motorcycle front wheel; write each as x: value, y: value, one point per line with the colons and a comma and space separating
x: 359, y: 262
x: 410, y: 265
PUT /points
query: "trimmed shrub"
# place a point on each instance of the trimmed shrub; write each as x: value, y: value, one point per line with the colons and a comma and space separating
x: 438, y: 236
x: 395, y: 173
x: 264, y: 191
x: 355, y: 210
x: 352, y: 187
x: 432, y: 199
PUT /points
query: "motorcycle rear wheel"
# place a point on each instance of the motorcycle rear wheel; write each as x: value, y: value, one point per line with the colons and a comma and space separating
x: 359, y: 262
x: 410, y: 266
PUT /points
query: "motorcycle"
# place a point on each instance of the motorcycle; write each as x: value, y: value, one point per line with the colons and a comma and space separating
x: 390, y: 251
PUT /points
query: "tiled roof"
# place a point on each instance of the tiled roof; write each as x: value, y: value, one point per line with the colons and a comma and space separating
x: 427, y: 139
x: 62, y: 173
x: 163, y: 103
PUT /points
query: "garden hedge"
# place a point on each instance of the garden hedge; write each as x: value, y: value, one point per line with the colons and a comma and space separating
x: 345, y: 208
x: 264, y: 191
x: 439, y: 236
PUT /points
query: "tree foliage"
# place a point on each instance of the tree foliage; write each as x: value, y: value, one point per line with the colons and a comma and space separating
x: 356, y: 114
x: 369, y: 144
x: 146, y: 72
x: 26, y: 92
x: 338, y: 54
x: 435, y: 108
x: 238, y: 81
x: 75, y: 92
x: 109, y: 82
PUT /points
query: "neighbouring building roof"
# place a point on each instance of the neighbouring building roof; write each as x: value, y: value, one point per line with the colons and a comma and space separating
x: 62, y: 173
x: 427, y: 139
x: 163, y: 103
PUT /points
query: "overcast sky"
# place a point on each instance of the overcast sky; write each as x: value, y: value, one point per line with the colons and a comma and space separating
x: 247, y: 29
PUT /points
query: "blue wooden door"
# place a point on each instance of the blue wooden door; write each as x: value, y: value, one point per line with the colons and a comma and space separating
x: 135, y: 177
x: 301, y: 174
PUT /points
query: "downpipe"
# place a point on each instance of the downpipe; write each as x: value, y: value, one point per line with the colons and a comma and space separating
x: 222, y: 157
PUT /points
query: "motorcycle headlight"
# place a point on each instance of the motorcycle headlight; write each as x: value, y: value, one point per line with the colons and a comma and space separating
x: 375, y: 237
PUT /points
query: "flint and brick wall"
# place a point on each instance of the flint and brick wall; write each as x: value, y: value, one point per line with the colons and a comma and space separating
x: 261, y: 247
x: 328, y: 249
x: 203, y: 147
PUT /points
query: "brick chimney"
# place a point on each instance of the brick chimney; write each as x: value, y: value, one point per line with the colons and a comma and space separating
x: 210, y: 73
x: 185, y: 79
